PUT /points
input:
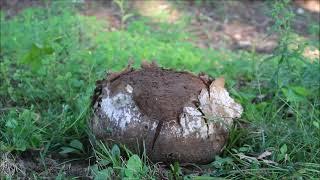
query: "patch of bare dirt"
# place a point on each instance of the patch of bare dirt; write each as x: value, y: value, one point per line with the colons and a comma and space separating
x: 310, y: 5
x: 13, y: 7
x: 24, y: 165
x: 244, y: 24
x: 220, y: 25
x: 157, y: 10
x: 105, y: 11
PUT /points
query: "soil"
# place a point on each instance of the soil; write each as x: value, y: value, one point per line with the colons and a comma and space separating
x: 231, y: 25
x: 25, y: 164
x: 245, y: 25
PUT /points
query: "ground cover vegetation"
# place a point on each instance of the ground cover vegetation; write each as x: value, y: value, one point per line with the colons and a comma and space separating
x: 51, y: 57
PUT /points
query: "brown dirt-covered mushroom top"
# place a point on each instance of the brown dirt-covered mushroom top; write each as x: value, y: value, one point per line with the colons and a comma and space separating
x: 159, y: 93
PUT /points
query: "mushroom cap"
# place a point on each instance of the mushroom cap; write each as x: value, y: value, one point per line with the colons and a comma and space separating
x: 195, y: 114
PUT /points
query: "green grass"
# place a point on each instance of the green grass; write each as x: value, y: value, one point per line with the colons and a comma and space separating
x: 51, y: 58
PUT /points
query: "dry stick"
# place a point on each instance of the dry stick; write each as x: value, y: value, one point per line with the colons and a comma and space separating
x: 156, y: 135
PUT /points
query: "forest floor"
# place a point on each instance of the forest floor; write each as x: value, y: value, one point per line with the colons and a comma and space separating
x: 219, y: 25
x: 237, y: 26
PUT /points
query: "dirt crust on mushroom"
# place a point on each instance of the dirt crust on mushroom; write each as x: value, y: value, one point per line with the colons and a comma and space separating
x: 176, y: 116
x: 159, y: 93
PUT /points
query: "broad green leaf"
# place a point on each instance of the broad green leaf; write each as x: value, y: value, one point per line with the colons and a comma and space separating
x: 48, y: 50
x: 300, y: 91
x: 11, y: 123
x: 283, y: 149
x: 76, y: 144
x: 295, y: 94
x: 176, y: 170
x: 220, y: 162
x: 134, y: 166
x: 94, y: 169
x: 34, y: 56
x: 316, y: 124
x: 21, y: 145
x: 115, y: 151
x: 66, y: 150
x: 35, y: 140
x: 103, y: 174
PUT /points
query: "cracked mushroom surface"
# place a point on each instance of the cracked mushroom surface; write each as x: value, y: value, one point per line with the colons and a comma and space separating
x: 177, y: 116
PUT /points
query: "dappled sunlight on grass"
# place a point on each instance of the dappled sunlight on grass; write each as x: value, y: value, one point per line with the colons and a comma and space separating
x: 310, y: 5
x: 158, y: 11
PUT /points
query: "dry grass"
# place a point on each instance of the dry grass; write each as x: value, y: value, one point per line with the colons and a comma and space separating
x: 10, y: 166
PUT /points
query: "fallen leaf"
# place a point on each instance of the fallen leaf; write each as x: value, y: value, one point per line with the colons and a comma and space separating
x: 264, y: 155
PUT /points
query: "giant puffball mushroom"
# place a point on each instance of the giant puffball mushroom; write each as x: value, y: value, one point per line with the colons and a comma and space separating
x: 176, y: 116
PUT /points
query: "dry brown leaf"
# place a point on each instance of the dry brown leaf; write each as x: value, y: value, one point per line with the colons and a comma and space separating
x: 217, y: 104
x: 264, y: 155
x: 219, y: 82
